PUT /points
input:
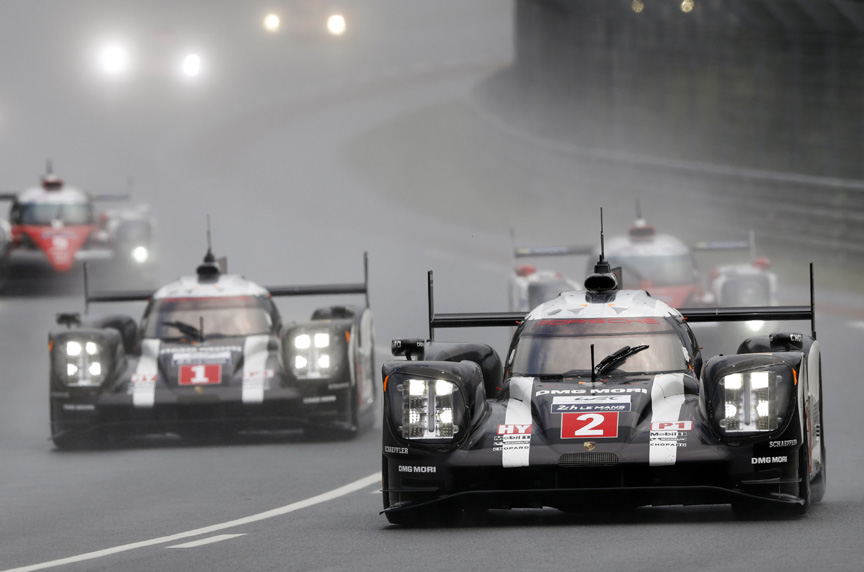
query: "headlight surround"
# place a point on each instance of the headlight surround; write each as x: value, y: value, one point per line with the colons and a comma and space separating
x: 753, y: 401
x: 428, y: 409
x: 81, y: 362
x: 313, y: 354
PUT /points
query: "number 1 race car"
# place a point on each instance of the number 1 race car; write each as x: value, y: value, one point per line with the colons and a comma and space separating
x: 646, y: 423
x: 58, y: 225
x: 212, y: 349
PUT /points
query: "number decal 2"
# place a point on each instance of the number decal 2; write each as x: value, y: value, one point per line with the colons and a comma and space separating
x: 583, y: 425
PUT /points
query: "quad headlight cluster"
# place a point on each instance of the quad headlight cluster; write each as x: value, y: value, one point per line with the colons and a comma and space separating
x: 750, y: 402
x: 431, y: 408
x: 312, y: 354
x: 82, y: 363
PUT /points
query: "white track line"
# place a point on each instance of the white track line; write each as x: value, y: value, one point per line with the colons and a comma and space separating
x: 324, y: 497
x: 203, y: 541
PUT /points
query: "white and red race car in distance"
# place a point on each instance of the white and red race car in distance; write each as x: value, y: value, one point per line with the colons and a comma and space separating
x: 58, y: 226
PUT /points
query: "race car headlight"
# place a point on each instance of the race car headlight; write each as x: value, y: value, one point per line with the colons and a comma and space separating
x: 755, y: 325
x: 431, y: 409
x: 313, y: 355
x: 82, y: 363
x: 750, y: 402
x: 140, y: 254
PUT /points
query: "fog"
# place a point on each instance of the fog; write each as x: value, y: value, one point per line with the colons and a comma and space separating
x: 432, y: 135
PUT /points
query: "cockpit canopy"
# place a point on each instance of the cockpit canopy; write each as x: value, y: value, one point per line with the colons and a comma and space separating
x: 223, y: 316
x: 47, y: 214
x: 550, y: 347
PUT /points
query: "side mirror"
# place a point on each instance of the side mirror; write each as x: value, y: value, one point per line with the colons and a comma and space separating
x: 410, y: 348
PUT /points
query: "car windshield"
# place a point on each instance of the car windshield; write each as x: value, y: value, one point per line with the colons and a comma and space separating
x: 224, y: 316
x: 750, y: 291
x: 656, y: 270
x: 556, y: 347
x: 45, y: 214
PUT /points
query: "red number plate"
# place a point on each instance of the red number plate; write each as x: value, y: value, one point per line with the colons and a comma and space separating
x: 589, y: 425
x: 201, y: 374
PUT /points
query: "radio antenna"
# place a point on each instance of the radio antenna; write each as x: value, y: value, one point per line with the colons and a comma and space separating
x: 602, y: 240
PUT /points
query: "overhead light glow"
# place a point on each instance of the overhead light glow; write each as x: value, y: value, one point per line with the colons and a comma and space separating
x: 192, y: 65
x: 336, y: 24
x: 114, y: 59
x: 272, y: 22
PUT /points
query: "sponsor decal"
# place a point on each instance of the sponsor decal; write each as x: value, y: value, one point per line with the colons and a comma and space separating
x: 259, y: 374
x: 320, y: 399
x: 200, y: 374
x: 567, y: 322
x: 396, y: 450
x: 79, y: 407
x: 577, y: 404
x: 616, y: 390
x: 193, y: 358
x: 667, y: 439
x: 335, y: 386
x: 769, y: 460
x: 515, y: 429
x: 786, y: 443
x: 589, y: 445
x: 143, y: 378
x: 672, y: 426
x: 513, y: 437
x: 603, y: 424
x: 416, y: 469
x: 200, y: 350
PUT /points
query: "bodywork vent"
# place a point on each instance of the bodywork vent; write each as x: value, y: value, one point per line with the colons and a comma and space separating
x: 588, y: 460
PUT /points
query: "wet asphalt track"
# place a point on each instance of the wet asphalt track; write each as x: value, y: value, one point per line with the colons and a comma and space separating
x: 298, y: 166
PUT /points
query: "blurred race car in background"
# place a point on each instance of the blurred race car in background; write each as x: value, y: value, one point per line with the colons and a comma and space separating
x: 211, y: 355
x: 666, y: 266
x: 530, y: 287
x: 645, y: 424
x: 57, y: 226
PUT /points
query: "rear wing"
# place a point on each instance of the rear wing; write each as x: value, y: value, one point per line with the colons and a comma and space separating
x: 311, y: 290
x: 524, y: 251
x: 327, y: 289
x: 749, y: 244
x: 692, y: 315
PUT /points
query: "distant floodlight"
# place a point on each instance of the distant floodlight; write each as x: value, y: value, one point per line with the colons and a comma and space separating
x: 271, y: 22
x: 336, y: 24
x: 687, y: 6
x: 191, y: 65
x: 114, y: 59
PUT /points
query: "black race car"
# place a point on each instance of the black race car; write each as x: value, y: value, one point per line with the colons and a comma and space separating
x: 212, y: 349
x: 603, y: 401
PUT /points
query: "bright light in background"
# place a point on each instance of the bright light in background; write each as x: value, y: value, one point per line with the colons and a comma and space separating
x: 336, y: 24
x: 192, y: 65
x: 114, y: 59
x: 271, y: 22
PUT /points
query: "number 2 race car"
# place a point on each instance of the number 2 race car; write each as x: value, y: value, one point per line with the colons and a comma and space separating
x: 646, y: 423
x: 56, y: 225
x: 212, y: 350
